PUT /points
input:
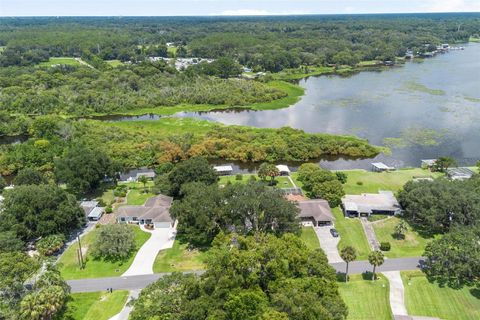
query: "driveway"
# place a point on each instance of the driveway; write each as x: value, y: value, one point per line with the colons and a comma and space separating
x: 328, y: 243
x: 161, y: 238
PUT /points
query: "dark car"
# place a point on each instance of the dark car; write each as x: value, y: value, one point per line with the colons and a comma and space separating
x: 334, y: 232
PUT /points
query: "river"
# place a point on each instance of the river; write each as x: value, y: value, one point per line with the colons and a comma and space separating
x: 430, y: 109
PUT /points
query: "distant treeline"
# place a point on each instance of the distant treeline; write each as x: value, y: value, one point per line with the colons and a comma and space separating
x: 266, y: 43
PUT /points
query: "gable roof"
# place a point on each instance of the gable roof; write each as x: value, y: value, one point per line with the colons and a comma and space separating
x: 316, y: 209
x: 156, y: 209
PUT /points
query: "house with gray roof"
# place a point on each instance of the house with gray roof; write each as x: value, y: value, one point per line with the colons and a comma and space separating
x: 315, y: 212
x: 156, y: 212
x: 366, y: 204
x: 459, y: 173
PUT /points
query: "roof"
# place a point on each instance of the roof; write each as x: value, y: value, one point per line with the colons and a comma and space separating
x: 88, y: 206
x: 223, y: 168
x: 157, y: 209
x: 316, y: 209
x: 429, y: 162
x: 368, y: 202
x: 96, y: 212
x: 459, y: 172
x: 148, y: 174
x: 381, y: 165
x: 283, y: 168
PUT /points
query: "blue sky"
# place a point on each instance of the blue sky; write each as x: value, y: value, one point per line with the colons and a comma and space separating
x: 226, y: 7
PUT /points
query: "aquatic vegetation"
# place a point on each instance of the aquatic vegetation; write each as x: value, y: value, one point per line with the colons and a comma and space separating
x: 476, y: 100
x: 416, y: 86
x: 414, y: 136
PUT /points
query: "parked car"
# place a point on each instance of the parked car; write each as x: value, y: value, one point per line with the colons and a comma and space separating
x: 334, y: 232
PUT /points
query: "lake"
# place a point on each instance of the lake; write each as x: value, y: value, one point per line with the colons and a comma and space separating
x: 421, y: 110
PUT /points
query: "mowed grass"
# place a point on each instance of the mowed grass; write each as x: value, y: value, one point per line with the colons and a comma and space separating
x: 282, y: 182
x: 94, y: 305
x: 413, y: 245
x: 366, y: 299
x: 179, y: 258
x: 114, y: 63
x: 423, y: 298
x: 96, y: 268
x: 310, y: 238
x: 362, y: 181
x: 351, y: 234
x: 60, y: 60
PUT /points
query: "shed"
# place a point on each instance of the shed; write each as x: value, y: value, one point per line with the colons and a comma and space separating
x: 428, y: 163
x: 380, y: 166
x: 283, y: 169
x: 315, y: 212
x: 459, y: 173
x: 96, y: 214
x: 223, y: 170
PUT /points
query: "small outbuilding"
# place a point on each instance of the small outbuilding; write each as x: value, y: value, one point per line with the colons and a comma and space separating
x: 283, y: 169
x: 459, y: 173
x: 223, y: 170
x: 428, y: 163
x: 315, y: 213
x: 380, y: 167
x: 88, y: 206
x: 95, y: 214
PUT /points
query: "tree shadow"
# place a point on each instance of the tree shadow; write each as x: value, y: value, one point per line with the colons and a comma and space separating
x: 341, y: 276
x: 367, y: 275
x: 397, y: 236
x: 475, y: 292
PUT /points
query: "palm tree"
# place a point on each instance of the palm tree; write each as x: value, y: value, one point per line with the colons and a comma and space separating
x: 401, y: 229
x: 144, y: 180
x: 348, y: 255
x: 376, y: 259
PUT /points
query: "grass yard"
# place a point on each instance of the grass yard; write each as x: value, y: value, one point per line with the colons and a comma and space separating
x: 412, y: 246
x: 283, y: 182
x: 428, y: 299
x: 310, y: 238
x: 68, y: 263
x: 114, y: 63
x: 94, y: 305
x: 60, y: 60
x: 366, y: 299
x: 371, y: 182
x: 179, y: 258
x: 351, y: 234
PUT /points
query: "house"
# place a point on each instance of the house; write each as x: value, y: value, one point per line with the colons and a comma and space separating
x: 156, y: 212
x: 459, y: 173
x: 366, y: 204
x: 133, y: 175
x: 88, y: 206
x: 148, y: 174
x: 428, y: 163
x: 315, y: 213
x: 380, y: 167
x: 283, y: 169
x: 95, y: 214
x: 223, y: 170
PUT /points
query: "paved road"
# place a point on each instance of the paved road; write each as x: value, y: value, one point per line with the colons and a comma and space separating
x: 140, y: 282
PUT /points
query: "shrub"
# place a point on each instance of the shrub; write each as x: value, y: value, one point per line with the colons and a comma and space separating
x: 114, y: 242
x: 360, y: 183
x: 252, y: 178
x: 385, y: 246
x: 239, y: 177
x: 109, y: 209
x: 49, y: 245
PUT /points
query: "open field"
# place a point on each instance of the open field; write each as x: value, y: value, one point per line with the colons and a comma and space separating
x: 282, y: 182
x: 94, y: 305
x: 366, y: 299
x: 60, y: 60
x: 310, y: 238
x: 68, y: 263
x: 412, y: 246
x: 428, y: 299
x: 114, y: 63
x: 371, y: 182
x: 351, y: 234
x: 179, y: 258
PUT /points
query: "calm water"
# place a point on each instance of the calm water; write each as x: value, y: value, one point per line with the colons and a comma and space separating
x: 432, y: 108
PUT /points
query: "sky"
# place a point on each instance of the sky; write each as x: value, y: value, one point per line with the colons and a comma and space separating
x: 226, y: 7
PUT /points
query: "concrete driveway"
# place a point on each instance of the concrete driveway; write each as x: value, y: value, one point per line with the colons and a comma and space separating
x: 161, y: 238
x: 328, y: 243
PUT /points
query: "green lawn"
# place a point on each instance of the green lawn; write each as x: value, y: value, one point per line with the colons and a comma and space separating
x: 310, y: 238
x: 179, y: 258
x: 366, y: 299
x: 70, y: 269
x: 351, y: 234
x: 282, y: 182
x: 60, y: 60
x: 137, y: 195
x: 428, y: 299
x: 114, y: 63
x: 94, y: 305
x: 371, y: 182
x: 412, y: 246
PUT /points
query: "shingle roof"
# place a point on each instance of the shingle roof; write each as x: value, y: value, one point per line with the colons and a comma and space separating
x: 317, y: 209
x: 157, y: 209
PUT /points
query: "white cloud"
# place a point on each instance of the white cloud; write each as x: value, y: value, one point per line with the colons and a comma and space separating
x: 453, y: 5
x: 258, y: 12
